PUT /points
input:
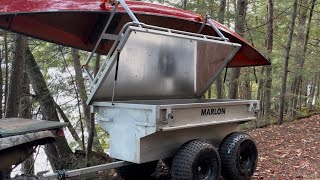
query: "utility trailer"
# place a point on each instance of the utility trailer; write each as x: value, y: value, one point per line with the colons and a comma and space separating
x: 147, y: 93
x: 19, y: 137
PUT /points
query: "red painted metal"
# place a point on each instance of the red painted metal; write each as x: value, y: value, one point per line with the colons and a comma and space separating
x: 78, y: 23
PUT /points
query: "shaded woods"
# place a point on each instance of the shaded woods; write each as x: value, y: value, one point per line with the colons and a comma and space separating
x: 287, y: 35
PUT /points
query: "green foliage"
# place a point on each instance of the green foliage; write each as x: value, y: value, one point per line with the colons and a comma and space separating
x: 256, y: 22
x: 103, y: 137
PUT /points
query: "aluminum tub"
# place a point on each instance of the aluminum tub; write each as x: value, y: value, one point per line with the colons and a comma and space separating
x: 147, y: 130
x: 158, y: 64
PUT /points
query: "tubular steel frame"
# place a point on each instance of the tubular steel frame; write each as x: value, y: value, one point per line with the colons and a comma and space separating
x: 118, y: 42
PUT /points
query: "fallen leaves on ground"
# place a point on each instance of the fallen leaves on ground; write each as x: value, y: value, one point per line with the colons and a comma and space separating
x: 289, y: 151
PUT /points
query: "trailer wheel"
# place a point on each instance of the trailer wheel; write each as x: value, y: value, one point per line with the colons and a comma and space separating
x: 137, y: 171
x: 196, y: 160
x: 239, y: 156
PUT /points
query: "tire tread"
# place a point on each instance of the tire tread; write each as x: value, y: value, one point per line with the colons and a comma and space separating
x: 227, y: 151
x: 183, y: 160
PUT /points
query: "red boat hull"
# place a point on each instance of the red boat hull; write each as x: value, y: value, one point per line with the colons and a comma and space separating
x: 78, y: 23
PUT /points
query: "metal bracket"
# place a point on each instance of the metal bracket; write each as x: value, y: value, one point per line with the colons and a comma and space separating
x: 62, y: 174
x: 169, y: 116
x: 253, y: 107
x: 116, y: 38
x: 110, y: 36
x: 203, y: 23
x: 208, y: 17
x: 78, y: 172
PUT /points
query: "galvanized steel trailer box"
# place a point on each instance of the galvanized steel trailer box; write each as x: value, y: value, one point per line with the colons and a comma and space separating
x: 146, y: 130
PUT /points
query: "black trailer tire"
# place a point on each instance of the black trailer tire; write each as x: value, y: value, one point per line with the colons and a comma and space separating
x: 137, y: 171
x: 196, y: 160
x: 239, y: 156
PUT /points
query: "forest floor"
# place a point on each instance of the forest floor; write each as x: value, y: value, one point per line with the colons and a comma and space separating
x: 289, y: 151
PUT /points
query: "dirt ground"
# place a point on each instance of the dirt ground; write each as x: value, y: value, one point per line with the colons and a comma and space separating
x: 289, y: 151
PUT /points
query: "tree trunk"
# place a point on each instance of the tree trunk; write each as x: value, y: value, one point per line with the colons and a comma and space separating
x: 83, y: 95
x: 219, y: 85
x: 299, y: 59
x: 286, y: 62
x: 306, y: 39
x: 239, y: 27
x: 315, y: 86
x: 25, y: 112
x: 16, y: 77
x: 80, y: 85
x: 303, y: 95
x: 247, y: 84
x: 1, y: 84
x: 222, y: 11
x: 228, y: 11
x: 209, y: 93
x: 6, y: 58
x: 317, y: 91
x: 73, y: 132
x: 59, y: 153
x: 312, y: 92
x: 260, y: 94
x: 184, y: 4
x: 97, y: 65
x: 269, y: 43
x: 91, y: 136
x: 234, y: 84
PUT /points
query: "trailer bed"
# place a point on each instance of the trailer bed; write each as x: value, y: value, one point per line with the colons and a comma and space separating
x: 18, y: 137
x: 19, y: 126
x: 146, y: 130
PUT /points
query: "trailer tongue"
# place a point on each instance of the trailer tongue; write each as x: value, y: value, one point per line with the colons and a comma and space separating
x: 18, y: 137
x: 147, y: 93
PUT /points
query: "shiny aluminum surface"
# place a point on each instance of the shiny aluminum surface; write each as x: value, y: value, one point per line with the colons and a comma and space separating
x: 161, y: 65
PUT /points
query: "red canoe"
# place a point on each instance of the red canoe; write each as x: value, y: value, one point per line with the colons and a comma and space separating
x: 78, y: 23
